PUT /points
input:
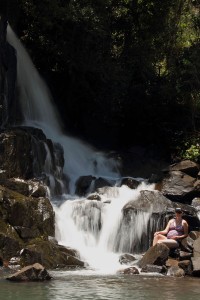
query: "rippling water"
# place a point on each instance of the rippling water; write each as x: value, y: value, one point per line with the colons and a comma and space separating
x: 72, y: 285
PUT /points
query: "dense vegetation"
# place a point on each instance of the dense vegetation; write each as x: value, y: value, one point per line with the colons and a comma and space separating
x: 122, y: 72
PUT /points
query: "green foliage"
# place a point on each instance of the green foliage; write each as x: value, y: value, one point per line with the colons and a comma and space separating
x: 191, y: 149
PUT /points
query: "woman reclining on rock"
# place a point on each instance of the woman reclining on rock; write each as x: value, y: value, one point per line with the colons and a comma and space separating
x: 175, y: 231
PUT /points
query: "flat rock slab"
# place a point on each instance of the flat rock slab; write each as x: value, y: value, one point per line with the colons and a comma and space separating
x: 35, y: 272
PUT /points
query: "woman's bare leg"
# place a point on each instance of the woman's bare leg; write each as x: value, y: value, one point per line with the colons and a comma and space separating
x: 159, y: 238
x: 170, y: 243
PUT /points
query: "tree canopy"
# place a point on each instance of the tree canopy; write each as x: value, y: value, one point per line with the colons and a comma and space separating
x: 117, y: 67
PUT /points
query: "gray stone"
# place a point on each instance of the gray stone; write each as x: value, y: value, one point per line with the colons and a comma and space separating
x: 129, y: 271
x: 126, y: 258
x: 154, y: 269
x: 196, y: 248
x: 186, y: 166
x: 195, y: 266
x: 186, y: 265
x: 179, y: 186
x: 35, y: 272
x: 183, y: 255
x: 155, y: 255
x: 176, y: 271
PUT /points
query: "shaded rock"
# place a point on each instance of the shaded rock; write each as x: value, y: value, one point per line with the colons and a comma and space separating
x: 52, y: 255
x: 130, y: 182
x: 178, y: 186
x: 13, y: 143
x: 100, y: 183
x: 29, y: 257
x: 94, y: 197
x: 26, y: 188
x: 9, y: 245
x: 156, y: 255
x: 31, y: 217
x: 129, y: 271
x: 1, y: 261
x: 186, y: 265
x: 195, y: 266
x: 186, y: 166
x: 187, y: 244
x: 194, y: 235
x: 126, y: 258
x: 35, y: 272
x: 16, y: 184
x: 36, y: 148
x: 185, y: 255
x: 154, y: 269
x: 196, y: 248
x: 175, y: 271
x: 174, y: 253
x: 83, y: 184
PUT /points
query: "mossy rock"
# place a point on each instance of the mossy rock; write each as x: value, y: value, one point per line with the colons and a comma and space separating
x: 53, y: 255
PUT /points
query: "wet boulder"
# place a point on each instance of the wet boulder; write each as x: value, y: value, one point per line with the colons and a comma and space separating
x: 94, y: 197
x: 175, y: 271
x: 129, y: 271
x: 35, y: 272
x: 132, y: 183
x: 83, y: 185
x: 126, y: 259
x: 154, y: 269
x: 152, y: 201
x: 155, y: 255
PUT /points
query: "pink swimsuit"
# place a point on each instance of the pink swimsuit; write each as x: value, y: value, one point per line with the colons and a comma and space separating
x: 175, y: 230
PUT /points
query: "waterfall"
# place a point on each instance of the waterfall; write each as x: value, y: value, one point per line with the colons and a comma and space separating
x: 39, y: 111
x: 95, y: 228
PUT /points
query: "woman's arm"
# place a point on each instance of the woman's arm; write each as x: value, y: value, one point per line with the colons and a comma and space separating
x: 165, y: 231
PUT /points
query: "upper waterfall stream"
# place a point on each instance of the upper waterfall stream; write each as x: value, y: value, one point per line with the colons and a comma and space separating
x: 90, y: 226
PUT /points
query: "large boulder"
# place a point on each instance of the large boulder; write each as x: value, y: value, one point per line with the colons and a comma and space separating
x: 26, y: 153
x: 30, y: 217
x: 49, y: 254
x: 186, y: 166
x: 178, y: 186
x: 155, y: 255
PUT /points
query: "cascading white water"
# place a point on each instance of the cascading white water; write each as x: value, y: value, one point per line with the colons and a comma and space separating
x: 38, y: 111
x: 92, y: 227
